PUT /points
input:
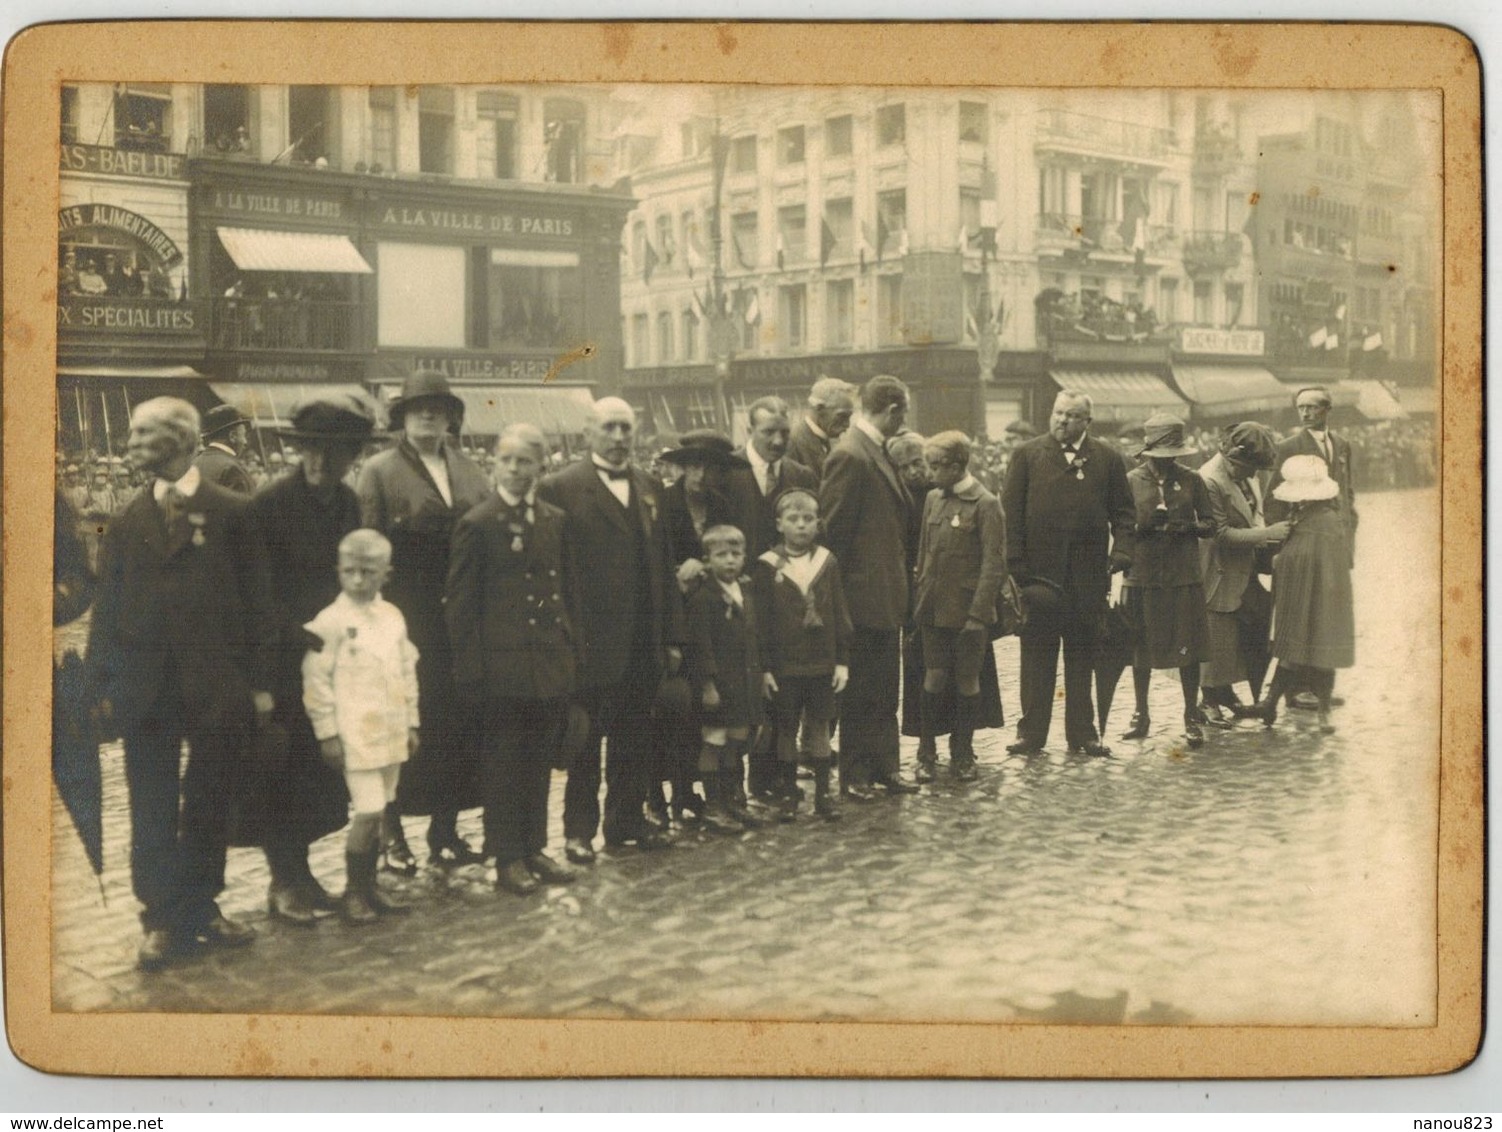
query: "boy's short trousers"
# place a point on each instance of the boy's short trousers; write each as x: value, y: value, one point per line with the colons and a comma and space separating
x: 370, y: 790
x: 958, y: 652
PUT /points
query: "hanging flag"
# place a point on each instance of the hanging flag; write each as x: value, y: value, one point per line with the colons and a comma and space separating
x: 781, y: 252
x: 649, y: 262
x: 901, y: 242
x: 740, y: 252
x: 691, y: 254
x: 1372, y: 341
x: 1333, y: 341
x: 1340, y: 313
x: 971, y: 329
x: 1317, y: 339
x: 963, y: 242
x: 753, y: 310
x: 1001, y: 315
x: 882, y: 233
x: 827, y: 242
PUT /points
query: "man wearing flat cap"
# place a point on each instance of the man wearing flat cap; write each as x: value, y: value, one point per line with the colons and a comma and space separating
x: 414, y: 493
x: 301, y: 518
x: 224, y: 436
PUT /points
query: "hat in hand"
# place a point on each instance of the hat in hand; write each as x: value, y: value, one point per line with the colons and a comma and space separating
x: 1305, y: 480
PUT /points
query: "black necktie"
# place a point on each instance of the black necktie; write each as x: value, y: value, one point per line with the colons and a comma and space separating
x: 1246, y: 490
x: 615, y: 473
x: 174, y: 504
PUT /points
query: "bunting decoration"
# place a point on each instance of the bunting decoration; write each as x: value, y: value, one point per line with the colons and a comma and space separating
x: 827, y: 242
x: 649, y: 262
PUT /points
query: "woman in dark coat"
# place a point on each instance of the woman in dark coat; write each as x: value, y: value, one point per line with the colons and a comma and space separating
x: 300, y: 519
x: 695, y: 502
x: 1314, y: 624
x: 1163, y: 592
x: 414, y: 493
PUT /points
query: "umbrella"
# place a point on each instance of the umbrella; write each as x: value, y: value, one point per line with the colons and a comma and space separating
x: 1115, y: 639
x: 75, y: 757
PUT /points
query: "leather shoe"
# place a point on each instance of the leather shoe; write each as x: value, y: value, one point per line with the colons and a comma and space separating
x: 1194, y: 734
x: 549, y: 871
x: 896, y: 784
x: 514, y: 876
x: 652, y: 839
x: 291, y: 904
x: 1215, y: 716
x: 1024, y: 747
x: 965, y: 771
x: 925, y: 771
x: 1095, y: 748
x: 579, y: 850
x: 454, y: 854
x: 1138, y: 728
x: 156, y: 950
x: 222, y: 932
x: 857, y: 792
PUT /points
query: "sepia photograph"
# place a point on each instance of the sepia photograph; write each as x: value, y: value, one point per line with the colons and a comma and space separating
x: 562, y: 550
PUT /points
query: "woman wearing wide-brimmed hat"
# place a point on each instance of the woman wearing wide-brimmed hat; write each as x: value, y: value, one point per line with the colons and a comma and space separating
x: 414, y: 493
x: 1163, y: 592
x: 694, y: 502
x: 300, y: 518
x: 1314, y: 624
x: 1238, y: 607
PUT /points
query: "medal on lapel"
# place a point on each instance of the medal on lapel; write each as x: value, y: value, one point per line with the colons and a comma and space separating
x: 954, y: 521
x: 197, y: 519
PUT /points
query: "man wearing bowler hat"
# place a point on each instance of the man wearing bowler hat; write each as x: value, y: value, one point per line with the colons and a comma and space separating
x: 414, y: 493
x: 630, y: 624
x: 224, y: 436
x: 301, y: 518
x: 1069, y: 523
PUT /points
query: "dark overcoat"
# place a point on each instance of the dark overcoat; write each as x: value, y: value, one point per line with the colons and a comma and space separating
x: 601, y: 543
x: 684, y: 542
x: 188, y: 605
x: 961, y: 558
x: 723, y: 647
x: 1063, y: 522
x: 300, y: 797
x: 865, y: 510
x: 507, y: 604
x: 399, y: 498
x: 755, y: 513
x: 807, y: 447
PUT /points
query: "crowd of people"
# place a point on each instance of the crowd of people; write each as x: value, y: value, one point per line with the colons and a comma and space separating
x: 374, y: 635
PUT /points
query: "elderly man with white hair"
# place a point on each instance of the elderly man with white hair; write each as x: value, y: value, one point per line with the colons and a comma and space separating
x: 182, y: 648
x: 630, y: 623
x: 831, y: 403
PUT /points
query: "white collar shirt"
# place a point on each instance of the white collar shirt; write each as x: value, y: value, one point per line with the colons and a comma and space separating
x: 187, y: 487
x: 620, y: 488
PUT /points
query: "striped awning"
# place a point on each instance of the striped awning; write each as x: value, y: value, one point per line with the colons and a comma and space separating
x: 1231, y: 391
x: 1121, y: 395
x: 1374, y: 400
x: 259, y: 249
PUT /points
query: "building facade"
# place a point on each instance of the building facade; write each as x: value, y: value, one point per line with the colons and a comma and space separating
x: 257, y: 244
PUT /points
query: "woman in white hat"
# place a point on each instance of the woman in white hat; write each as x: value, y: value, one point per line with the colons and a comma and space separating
x: 1314, y: 626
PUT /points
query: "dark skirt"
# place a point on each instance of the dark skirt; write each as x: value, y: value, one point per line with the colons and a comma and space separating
x: 1169, y: 623
x: 1313, y: 616
x: 912, y: 691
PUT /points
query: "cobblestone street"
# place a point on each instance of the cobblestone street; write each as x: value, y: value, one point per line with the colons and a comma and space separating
x: 1278, y: 876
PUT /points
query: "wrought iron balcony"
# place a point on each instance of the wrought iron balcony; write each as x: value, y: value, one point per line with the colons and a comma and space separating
x: 1208, y: 251
x: 283, y: 324
x: 1064, y: 129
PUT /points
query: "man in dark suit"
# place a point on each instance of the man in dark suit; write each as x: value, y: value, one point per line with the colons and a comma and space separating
x: 1316, y: 438
x: 865, y: 525
x: 224, y: 435
x: 181, y: 647
x: 831, y: 403
x: 507, y: 603
x: 1069, y: 524
x: 752, y: 491
x: 630, y: 628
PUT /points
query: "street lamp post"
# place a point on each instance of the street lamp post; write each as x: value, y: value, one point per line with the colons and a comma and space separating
x: 988, y: 336
x: 721, y: 328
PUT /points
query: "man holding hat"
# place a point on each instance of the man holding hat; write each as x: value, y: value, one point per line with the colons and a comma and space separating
x: 301, y: 518
x: 1069, y: 526
x: 414, y: 493
x: 1239, y: 608
x: 224, y: 436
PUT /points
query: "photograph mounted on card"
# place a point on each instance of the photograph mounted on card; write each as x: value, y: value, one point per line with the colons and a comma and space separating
x: 1162, y: 355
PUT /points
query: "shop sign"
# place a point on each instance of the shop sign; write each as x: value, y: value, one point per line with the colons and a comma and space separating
x: 913, y: 366
x: 128, y: 316
x: 655, y: 376
x: 467, y: 221
x: 277, y: 205
x: 120, y: 162
x: 158, y: 242
x: 289, y: 372
x: 482, y: 367
x: 1209, y: 340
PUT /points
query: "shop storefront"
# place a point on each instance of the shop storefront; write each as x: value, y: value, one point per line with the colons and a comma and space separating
x: 324, y: 279
x: 126, y: 326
